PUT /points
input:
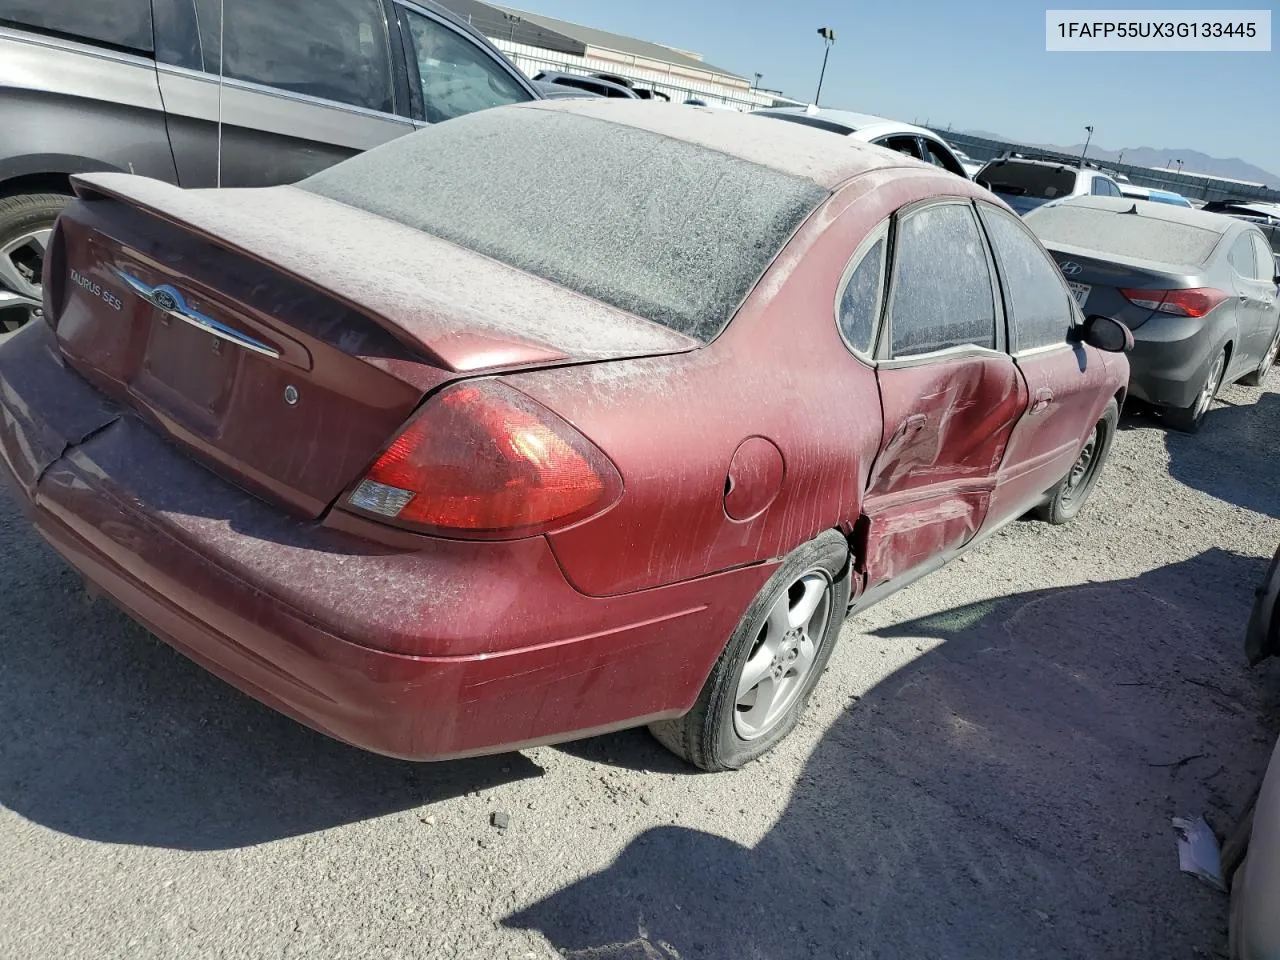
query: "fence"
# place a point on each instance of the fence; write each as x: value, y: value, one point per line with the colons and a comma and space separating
x: 677, y: 88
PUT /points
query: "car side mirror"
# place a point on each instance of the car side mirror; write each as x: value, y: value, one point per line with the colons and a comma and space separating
x: 1105, y: 333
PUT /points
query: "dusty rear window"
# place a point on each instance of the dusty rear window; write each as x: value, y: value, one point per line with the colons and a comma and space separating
x: 1029, y: 180
x: 121, y: 23
x: 1123, y: 234
x: 672, y: 232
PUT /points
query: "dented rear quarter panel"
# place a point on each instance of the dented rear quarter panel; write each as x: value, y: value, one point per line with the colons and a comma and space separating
x: 780, y: 371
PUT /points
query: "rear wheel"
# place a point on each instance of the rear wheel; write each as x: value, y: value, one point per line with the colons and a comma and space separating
x: 1190, y: 419
x: 1255, y: 378
x: 1068, y: 498
x: 761, y: 683
x: 26, y: 223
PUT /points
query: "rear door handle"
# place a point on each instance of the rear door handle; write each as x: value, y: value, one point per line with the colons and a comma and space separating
x: 1041, y: 401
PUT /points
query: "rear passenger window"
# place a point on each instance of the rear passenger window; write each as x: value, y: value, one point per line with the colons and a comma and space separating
x: 119, y: 23
x: 1038, y: 298
x: 331, y: 49
x: 458, y: 77
x: 1242, y: 257
x: 860, y: 301
x: 942, y: 293
x: 1266, y: 258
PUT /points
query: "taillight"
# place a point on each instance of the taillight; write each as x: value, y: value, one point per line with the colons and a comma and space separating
x: 1195, y: 302
x: 483, y: 460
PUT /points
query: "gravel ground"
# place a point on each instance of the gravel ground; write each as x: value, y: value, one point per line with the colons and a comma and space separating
x: 987, y: 771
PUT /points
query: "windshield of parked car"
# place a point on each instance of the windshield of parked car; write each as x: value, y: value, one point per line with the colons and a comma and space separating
x: 1123, y: 234
x: 1028, y: 179
x: 665, y: 229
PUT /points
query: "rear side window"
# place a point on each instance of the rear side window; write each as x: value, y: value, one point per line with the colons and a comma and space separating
x: 119, y: 23
x: 458, y: 77
x: 331, y: 49
x: 1037, y: 298
x: 1029, y: 179
x: 1242, y: 257
x: 1263, y: 253
x: 1105, y: 188
x: 936, y: 154
x: 860, y: 301
x: 1122, y: 234
x: 942, y: 293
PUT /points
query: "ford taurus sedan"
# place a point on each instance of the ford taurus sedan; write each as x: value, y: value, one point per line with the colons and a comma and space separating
x: 494, y: 436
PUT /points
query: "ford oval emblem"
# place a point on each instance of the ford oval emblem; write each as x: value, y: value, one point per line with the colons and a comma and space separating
x: 165, y: 300
x: 1071, y: 269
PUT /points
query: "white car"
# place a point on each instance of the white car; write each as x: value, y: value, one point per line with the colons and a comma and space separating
x: 904, y: 137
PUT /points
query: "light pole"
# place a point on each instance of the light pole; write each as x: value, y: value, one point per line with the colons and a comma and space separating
x: 1086, y: 144
x: 1179, y: 166
x: 829, y: 37
x: 756, y: 85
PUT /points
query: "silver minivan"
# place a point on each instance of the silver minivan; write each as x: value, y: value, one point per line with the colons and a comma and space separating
x: 145, y: 86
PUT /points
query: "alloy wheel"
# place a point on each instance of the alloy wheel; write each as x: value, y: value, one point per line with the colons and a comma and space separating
x: 21, y: 263
x: 1210, y: 388
x: 783, y: 655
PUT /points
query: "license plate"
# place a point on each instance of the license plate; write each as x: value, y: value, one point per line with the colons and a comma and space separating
x: 1080, y: 291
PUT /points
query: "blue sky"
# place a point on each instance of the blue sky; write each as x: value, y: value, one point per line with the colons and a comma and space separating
x: 972, y: 65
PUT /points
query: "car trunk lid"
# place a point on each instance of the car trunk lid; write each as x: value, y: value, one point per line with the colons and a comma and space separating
x: 1106, y: 277
x: 281, y: 339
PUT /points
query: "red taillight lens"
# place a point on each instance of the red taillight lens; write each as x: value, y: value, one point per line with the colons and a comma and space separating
x: 481, y: 459
x: 1195, y: 302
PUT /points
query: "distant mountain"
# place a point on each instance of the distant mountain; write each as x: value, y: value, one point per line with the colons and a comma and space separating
x: 1193, y: 161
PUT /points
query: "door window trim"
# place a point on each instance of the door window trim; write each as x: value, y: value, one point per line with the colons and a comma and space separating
x: 880, y: 231
x: 884, y: 346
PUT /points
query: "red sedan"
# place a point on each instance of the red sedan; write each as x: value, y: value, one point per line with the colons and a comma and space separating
x: 547, y: 421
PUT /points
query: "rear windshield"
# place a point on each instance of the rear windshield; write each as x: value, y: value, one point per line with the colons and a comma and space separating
x: 1029, y: 180
x: 1123, y: 234
x: 120, y: 23
x: 672, y: 232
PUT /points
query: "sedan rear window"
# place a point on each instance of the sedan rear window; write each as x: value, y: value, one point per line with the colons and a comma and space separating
x: 1029, y: 180
x: 1123, y: 234
x: 667, y: 230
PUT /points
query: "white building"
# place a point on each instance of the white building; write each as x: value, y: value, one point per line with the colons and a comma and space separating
x: 536, y: 43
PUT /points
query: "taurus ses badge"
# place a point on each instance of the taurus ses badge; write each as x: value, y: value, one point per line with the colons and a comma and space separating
x: 172, y: 303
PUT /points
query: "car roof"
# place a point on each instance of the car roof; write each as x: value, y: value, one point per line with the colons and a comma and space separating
x: 861, y: 123
x: 789, y: 148
x: 1170, y: 213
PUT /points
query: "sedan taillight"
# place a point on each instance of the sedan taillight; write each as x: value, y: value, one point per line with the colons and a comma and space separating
x: 1195, y: 302
x: 483, y: 460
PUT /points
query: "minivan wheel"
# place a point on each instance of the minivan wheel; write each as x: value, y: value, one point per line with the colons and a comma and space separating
x: 1068, y: 498
x: 26, y: 222
x: 1255, y: 377
x: 761, y: 683
x: 1190, y: 419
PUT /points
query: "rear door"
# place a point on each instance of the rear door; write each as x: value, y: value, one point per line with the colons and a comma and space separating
x: 949, y: 392
x: 304, y: 85
x: 1061, y: 378
x: 1255, y: 300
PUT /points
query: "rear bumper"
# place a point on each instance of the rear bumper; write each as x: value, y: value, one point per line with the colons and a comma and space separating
x: 1171, y: 358
x: 426, y: 650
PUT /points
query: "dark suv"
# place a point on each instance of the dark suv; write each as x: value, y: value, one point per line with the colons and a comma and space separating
x: 133, y: 86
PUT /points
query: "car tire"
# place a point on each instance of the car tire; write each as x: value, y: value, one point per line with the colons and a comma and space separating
x: 1190, y: 419
x: 1256, y: 377
x: 783, y: 642
x: 1069, y: 496
x: 25, y: 221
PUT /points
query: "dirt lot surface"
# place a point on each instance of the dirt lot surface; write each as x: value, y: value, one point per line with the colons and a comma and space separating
x: 988, y: 771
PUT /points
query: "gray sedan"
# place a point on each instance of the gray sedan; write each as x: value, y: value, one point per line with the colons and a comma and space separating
x: 1197, y: 289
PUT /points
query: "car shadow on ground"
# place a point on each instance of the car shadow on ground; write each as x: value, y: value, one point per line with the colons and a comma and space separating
x: 112, y: 736
x: 998, y: 797
x: 1233, y: 456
